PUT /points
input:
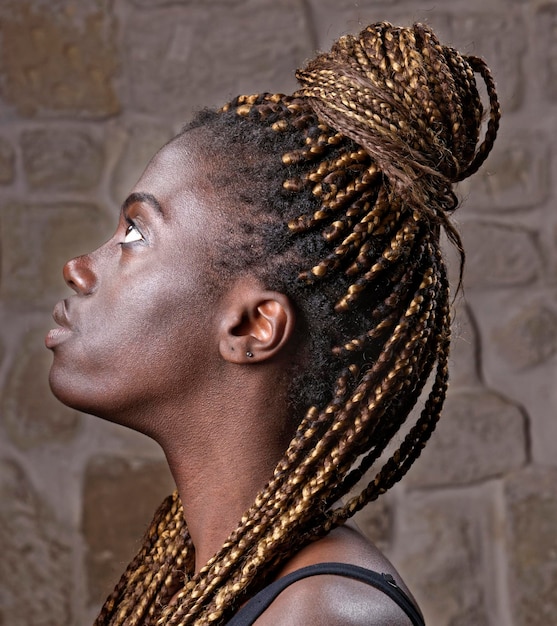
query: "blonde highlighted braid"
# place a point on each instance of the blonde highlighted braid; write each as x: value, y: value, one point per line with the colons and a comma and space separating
x: 343, y: 213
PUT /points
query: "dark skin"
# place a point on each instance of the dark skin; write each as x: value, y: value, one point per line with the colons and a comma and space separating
x: 147, y: 343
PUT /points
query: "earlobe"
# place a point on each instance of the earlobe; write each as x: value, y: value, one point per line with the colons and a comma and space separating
x: 256, y: 326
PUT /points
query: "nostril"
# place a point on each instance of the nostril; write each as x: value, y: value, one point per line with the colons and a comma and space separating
x: 67, y: 273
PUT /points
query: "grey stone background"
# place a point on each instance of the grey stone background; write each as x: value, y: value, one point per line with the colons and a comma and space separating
x: 89, y: 90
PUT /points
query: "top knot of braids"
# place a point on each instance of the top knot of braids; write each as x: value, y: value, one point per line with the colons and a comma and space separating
x: 411, y: 102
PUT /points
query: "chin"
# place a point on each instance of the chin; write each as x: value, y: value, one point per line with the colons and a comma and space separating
x: 94, y: 398
x: 77, y: 392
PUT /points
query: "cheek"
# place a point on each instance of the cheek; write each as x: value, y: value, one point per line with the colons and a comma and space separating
x: 165, y: 313
x: 162, y: 332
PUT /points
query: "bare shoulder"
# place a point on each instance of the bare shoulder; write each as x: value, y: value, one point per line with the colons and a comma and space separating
x: 332, y: 600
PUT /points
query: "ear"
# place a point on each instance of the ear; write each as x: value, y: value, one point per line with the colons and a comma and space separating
x: 256, y: 324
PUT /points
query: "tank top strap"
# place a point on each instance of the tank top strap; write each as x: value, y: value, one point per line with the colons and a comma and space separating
x: 384, y: 582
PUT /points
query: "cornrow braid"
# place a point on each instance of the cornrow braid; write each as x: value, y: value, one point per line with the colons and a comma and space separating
x: 340, y: 206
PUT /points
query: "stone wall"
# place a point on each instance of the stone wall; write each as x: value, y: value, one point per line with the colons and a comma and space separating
x: 89, y: 90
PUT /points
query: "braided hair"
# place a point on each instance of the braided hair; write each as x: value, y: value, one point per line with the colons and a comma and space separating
x: 350, y: 185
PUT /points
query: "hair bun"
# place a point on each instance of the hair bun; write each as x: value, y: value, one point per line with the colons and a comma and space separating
x: 411, y: 102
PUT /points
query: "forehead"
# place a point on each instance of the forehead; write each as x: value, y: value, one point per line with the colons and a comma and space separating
x: 180, y: 167
x: 177, y: 177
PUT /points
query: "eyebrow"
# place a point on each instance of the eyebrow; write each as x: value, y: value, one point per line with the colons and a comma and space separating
x: 144, y: 198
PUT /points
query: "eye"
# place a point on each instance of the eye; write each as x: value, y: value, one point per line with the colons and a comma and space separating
x: 132, y: 234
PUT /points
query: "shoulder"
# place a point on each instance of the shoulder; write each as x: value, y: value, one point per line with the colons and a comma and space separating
x: 329, y: 600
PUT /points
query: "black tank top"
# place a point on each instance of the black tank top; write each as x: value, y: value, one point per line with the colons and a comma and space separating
x: 385, y: 582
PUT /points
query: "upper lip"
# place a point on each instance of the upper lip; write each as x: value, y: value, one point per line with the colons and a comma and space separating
x: 60, y: 314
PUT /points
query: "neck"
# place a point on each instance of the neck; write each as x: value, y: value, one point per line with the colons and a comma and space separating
x: 220, y: 468
x: 214, y: 501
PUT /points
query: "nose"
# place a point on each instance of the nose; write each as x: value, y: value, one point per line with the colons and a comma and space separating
x: 79, y: 275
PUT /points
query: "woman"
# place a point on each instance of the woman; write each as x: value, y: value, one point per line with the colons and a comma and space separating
x: 269, y: 310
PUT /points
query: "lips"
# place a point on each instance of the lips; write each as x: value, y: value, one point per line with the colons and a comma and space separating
x: 57, y: 335
x: 60, y: 314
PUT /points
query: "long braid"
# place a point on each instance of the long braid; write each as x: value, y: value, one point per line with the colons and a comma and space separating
x: 157, y: 570
x: 352, y: 190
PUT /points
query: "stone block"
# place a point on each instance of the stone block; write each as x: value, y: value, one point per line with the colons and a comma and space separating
x: 150, y: 4
x: 61, y: 159
x: 140, y: 143
x: 31, y: 415
x: 465, y: 349
x: 531, y: 539
x: 499, y: 256
x: 375, y: 520
x: 179, y: 61
x: 36, y: 567
x: 500, y: 38
x: 119, y: 500
x: 529, y: 337
x: 480, y: 435
x: 545, y: 42
x: 532, y: 387
x: 7, y: 171
x: 441, y: 553
x: 58, y: 58
x: 32, y: 258
x: 553, y: 256
x: 515, y: 176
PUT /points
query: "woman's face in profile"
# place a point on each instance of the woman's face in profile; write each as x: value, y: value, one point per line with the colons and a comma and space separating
x: 139, y: 325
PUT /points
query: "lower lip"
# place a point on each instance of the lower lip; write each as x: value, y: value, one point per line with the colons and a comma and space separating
x: 56, y: 336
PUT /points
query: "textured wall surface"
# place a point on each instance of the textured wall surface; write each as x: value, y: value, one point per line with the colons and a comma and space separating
x: 88, y: 90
